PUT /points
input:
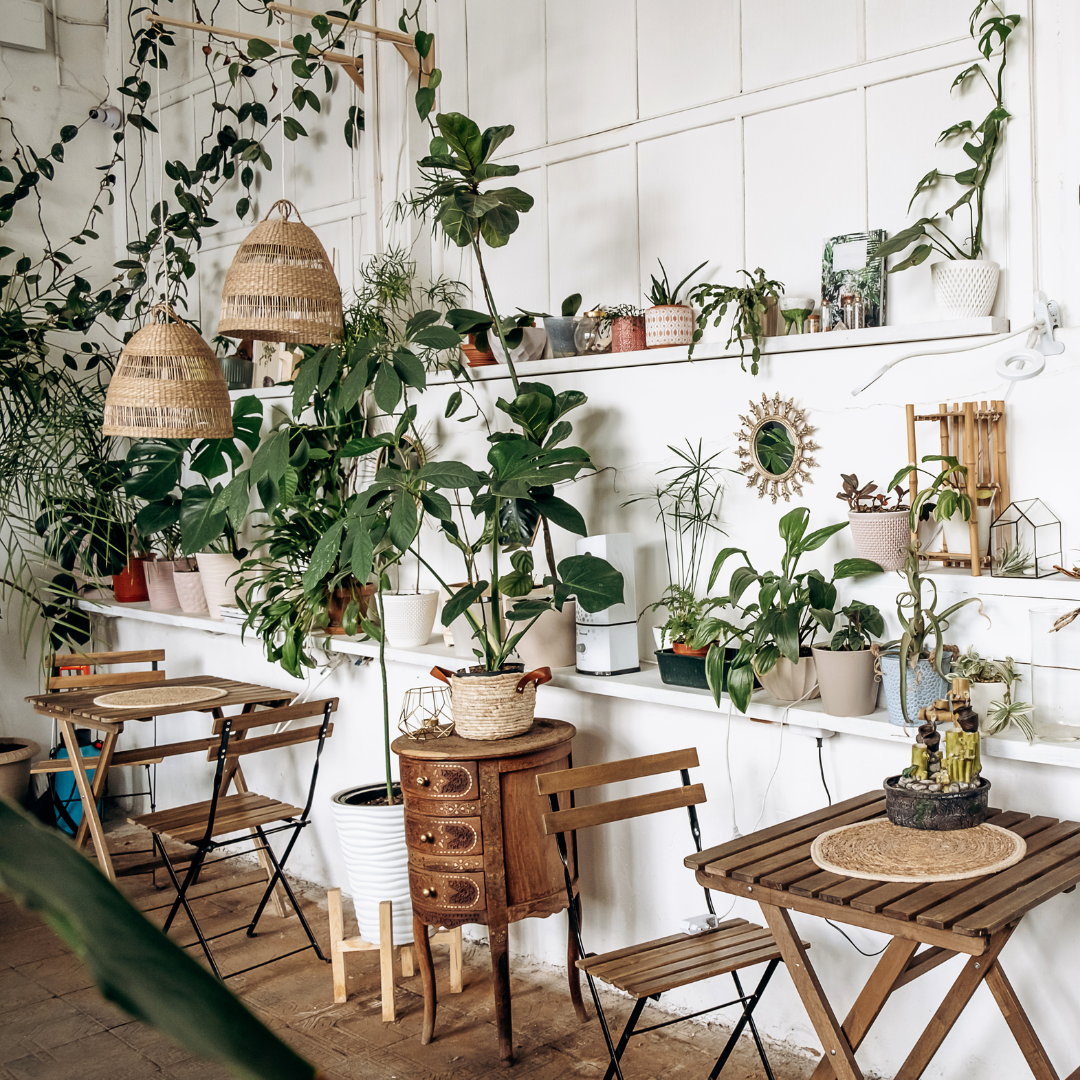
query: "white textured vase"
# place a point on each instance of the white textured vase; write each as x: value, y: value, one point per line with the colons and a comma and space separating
x: 669, y: 324
x: 189, y: 591
x: 219, y: 585
x: 883, y: 538
x: 965, y: 288
x: 372, y: 840
x: 957, y: 534
x: 983, y: 695
x: 408, y: 618
x: 159, y: 585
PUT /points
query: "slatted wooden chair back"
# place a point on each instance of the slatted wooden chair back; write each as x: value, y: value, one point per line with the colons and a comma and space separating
x: 79, y: 671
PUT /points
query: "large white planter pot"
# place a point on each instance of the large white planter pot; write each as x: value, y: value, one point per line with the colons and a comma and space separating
x: 791, y: 682
x: 159, y: 584
x: 219, y: 585
x: 957, y: 535
x: 189, y: 591
x: 669, y: 324
x: 983, y: 695
x: 372, y: 840
x: 882, y: 538
x: 408, y: 618
x: 965, y: 288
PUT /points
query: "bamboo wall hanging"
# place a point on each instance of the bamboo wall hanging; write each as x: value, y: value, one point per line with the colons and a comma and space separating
x: 975, y: 436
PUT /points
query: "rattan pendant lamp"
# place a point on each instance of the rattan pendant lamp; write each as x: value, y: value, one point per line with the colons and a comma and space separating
x: 281, y: 286
x: 168, y: 384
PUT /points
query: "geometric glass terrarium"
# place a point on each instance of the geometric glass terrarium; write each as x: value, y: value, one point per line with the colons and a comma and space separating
x: 1025, y: 541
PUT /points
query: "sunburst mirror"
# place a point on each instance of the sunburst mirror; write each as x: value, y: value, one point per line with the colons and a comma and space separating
x: 775, y: 448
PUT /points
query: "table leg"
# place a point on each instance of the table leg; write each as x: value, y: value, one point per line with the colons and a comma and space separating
x: 422, y: 948
x: 975, y: 970
x: 833, y: 1041
x: 78, y: 771
x: 499, y: 939
x: 573, y: 972
x: 1026, y: 1038
x: 101, y: 776
x: 871, y: 1000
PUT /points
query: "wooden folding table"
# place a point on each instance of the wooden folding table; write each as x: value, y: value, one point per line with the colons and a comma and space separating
x: 928, y: 923
x: 76, y: 708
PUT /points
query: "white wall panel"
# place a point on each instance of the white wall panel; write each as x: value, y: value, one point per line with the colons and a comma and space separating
x: 893, y: 28
x: 592, y: 228
x: 506, y: 77
x: 783, y: 40
x: 680, y: 67
x: 591, y: 67
x: 518, y: 272
x: 801, y: 189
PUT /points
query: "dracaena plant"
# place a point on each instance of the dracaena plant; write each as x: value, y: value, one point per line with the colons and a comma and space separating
x: 981, y: 144
x: 787, y: 611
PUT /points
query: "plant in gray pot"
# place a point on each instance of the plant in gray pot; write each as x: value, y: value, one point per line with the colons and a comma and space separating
x: 560, y: 329
x: 920, y: 651
x: 845, y: 664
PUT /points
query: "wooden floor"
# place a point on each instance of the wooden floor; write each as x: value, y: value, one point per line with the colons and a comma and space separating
x: 55, y: 1026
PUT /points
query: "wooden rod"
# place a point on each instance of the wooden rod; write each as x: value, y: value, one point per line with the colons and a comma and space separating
x: 336, y: 20
x: 913, y: 476
x: 243, y: 35
x: 971, y: 459
x: 1001, y: 462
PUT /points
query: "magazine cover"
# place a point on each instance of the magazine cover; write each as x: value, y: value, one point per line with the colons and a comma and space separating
x: 848, y: 266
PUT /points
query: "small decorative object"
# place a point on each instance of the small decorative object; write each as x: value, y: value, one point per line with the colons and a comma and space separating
x: 794, y: 311
x: 852, y: 270
x: 813, y: 324
x: 668, y: 322
x: 425, y: 713
x: 1025, y: 541
x: 593, y: 333
x: 881, y: 532
x: 281, y: 285
x: 493, y: 704
x: 168, y: 384
x: 627, y: 328
x: 775, y: 448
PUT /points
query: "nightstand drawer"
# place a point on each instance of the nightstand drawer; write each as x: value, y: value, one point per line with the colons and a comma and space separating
x: 446, y: 892
x: 443, y: 836
x: 439, y: 779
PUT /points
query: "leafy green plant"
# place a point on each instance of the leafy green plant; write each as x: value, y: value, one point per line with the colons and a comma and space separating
x: 788, y: 610
x: 749, y: 303
x: 862, y: 500
x: 981, y: 146
x: 661, y: 294
x: 1003, y: 713
x: 1014, y: 560
x: 863, y: 623
x: 947, y: 488
x: 970, y: 665
x: 567, y: 310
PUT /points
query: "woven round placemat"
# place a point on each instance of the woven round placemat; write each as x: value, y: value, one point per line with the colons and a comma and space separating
x: 881, y: 851
x: 159, y: 695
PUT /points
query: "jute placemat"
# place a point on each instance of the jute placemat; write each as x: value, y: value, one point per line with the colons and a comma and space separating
x: 881, y: 851
x: 159, y: 695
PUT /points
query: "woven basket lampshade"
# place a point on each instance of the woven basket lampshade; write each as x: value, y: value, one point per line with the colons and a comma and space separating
x: 168, y: 384
x: 281, y: 286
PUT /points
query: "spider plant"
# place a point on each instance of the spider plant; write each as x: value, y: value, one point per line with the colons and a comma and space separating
x: 1003, y: 713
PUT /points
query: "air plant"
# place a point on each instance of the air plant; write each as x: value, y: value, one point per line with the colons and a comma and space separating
x: 1014, y: 560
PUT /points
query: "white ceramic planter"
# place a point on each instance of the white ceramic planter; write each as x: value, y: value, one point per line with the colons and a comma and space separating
x: 669, y: 324
x: 983, y: 695
x: 189, y: 591
x: 965, y: 288
x: 159, y: 584
x: 791, y: 682
x: 372, y: 840
x: 219, y: 586
x: 408, y: 618
x: 957, y: 536
x: 534, y: 346
x: 846, y: 681
x: 882, y: 538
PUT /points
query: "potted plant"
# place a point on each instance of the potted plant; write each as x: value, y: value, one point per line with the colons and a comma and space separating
x: 782, y: 620
x: 845, y: 665
x: 946, y: 500
x: 753, y: 306
x: 627, y: 327
x: 920, y: 652
x: 992, y: 683
x: 965, y: 283
x: 560, y: 329
x: 667, y: 322
x: 15, y: 755
x: 881, y: 532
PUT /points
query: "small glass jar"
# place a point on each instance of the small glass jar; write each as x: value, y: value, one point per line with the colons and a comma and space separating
x: 813, y: 324
x: 593, y: 333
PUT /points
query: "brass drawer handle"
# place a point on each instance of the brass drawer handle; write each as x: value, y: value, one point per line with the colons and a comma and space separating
x: 428, y: 892
x: 427, y: 838
x: 422, y: 781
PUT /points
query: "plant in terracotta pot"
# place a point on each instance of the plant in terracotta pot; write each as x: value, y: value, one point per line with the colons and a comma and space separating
x: 992, y: 683
x: 667, y: 322
x: 789, y: 608
x: 965, y: 283
x: 846, y: 663
x: 627, y: 327
x: 752, y: 304
x: 881, y: 532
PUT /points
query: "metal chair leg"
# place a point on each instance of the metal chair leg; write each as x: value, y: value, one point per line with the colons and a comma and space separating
x: 747, y: 1018
x: 628, y: 1031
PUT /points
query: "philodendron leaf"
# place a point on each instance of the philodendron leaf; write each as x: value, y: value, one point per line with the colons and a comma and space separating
x: 132, y: 962
x: 595, y: 583
x: 200, y: 523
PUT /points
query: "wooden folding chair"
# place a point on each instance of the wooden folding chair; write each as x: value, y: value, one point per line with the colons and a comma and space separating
x: 209, y: 826
x: 652, y: 968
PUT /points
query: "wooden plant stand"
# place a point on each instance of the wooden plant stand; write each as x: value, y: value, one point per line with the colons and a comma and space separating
x: 340, y: 945
x: 976, y: 438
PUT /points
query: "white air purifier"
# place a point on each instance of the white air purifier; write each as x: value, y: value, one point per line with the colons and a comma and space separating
x: 607, y: 640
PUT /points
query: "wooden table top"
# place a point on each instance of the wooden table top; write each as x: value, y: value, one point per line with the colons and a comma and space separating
x: 774, y: 866
x: 542, y: 734
x: 78, y: 705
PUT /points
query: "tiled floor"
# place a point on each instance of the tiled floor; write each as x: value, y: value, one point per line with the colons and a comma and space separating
x: 55, y: 1026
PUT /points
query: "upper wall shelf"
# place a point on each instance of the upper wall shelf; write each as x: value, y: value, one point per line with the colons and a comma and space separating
x: 987, y: 326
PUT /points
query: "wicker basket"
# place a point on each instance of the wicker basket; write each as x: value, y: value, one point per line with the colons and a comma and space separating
x: 882, y: 538
x: 493, y: 704
x: 168, y: 385
x: 281, y: 286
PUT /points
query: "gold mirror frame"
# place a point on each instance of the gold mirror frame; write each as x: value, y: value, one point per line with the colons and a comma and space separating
x: 781, y: 412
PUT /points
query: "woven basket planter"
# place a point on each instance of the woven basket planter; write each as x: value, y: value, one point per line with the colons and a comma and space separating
x: 168, y: 385
x: 492, y: 704
x: 281, y: 285
x: 882, y: 538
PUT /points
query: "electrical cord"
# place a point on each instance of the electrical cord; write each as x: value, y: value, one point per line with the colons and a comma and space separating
x: 828, y: 795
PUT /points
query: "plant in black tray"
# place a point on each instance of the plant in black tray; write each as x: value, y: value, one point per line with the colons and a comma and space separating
x: 780, y: 624
x: 846, y: 663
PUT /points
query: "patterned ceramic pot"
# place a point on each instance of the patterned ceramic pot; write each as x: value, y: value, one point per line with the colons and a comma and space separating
x: 159, y: 584
x: 219, y: 585
x: 628, y: 334
x: 670, y: 324
x: 189, y: 591
x: 965, y: 288
x: 882, y: 538
x: 409, y: 618
x: 924, y: 687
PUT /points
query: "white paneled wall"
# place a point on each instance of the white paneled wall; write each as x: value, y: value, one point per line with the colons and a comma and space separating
x: 785, y: 40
